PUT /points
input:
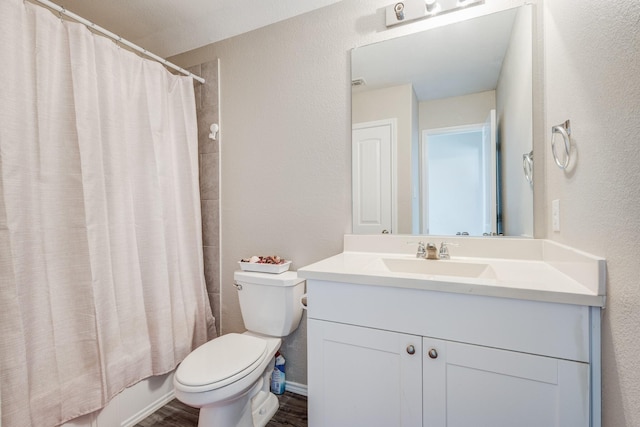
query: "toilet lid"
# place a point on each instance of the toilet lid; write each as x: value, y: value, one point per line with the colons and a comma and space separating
x: 220, y: 359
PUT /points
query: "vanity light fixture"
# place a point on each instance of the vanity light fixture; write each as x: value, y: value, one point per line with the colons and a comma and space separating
x: 411, y: 10
x: 405, y: 11
x: 399, y: 10
x: 433, y: 7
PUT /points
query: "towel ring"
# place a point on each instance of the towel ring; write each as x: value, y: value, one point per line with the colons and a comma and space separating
x: 527, y: 166
x: 563, y: 129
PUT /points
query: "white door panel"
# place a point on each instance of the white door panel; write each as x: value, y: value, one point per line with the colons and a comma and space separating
x: 372, y: 169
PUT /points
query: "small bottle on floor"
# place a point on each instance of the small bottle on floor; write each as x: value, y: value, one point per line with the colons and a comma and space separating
x: 278, y: 376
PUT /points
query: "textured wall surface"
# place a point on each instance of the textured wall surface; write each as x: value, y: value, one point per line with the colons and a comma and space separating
x: 286, y: 153
x: 592, y: 76
x: 514, y: 111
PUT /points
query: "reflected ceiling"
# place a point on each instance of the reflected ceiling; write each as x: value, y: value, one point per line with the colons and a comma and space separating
x: 474, y: 66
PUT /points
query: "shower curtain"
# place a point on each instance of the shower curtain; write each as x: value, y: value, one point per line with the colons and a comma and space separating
x: 101, y: 269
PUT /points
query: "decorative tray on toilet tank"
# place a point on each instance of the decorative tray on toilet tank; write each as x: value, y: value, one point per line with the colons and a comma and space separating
x: 265, y: 264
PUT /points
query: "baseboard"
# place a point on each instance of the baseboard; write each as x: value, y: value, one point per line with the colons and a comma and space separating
x: 150, y: 409
x: 290, y: 386
x: 296, y: 388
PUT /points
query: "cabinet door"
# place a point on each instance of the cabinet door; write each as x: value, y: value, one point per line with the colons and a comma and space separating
x: 363, y: 377
x: 468, y: 385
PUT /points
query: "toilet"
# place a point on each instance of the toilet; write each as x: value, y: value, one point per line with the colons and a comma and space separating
x: 228, y: 378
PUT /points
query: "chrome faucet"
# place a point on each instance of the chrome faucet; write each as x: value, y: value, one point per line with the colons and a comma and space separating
x: 432, y: 251
x: 428, y: 251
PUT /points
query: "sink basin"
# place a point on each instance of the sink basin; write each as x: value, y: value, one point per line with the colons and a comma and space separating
x: 439, y: 268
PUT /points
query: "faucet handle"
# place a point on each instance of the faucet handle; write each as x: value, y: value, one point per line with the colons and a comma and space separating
x: 444, y: 250
x: 422, y: 251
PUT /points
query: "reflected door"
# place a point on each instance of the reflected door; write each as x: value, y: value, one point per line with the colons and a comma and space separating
x: 459, y: 180
x: 372, y: 177
x: 489, y: 136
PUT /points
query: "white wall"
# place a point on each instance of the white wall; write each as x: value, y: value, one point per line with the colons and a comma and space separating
x: 286, y: 153
x: 461, y: 110
x: 514, y: 110
x: 285, y: 123
x: 592, y: 76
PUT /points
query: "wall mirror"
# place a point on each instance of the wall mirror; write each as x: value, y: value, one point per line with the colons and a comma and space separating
x: 441, y: 121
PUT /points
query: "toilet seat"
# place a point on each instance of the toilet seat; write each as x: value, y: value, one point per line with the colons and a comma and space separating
x: 220, y: 362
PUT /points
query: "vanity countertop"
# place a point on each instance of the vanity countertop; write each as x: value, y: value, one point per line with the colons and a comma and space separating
x: 528, y: 269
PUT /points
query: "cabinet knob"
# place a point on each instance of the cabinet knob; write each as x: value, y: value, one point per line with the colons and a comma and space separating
x: 433, y: 353
x: 411, y: 349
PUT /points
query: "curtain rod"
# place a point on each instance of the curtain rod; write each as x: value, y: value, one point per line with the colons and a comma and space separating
x: 117, y: 38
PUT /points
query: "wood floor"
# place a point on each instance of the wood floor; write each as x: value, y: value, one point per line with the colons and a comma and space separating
x: 292, y: 413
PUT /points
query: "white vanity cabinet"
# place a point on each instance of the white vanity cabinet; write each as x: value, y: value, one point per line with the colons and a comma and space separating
x: 388, y: 356
x: 363, y: 376
x: 470, y: 385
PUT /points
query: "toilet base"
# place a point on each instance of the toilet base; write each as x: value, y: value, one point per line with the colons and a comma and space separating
x: 246, y: 411
x: 235, y: 413
x: 265, y: 410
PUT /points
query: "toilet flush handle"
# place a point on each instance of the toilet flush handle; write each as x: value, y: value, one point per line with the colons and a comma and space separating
x: 303, y: 301
x: 237, y: 285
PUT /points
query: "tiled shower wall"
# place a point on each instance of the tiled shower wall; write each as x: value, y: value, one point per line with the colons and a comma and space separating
x: 207, y: 109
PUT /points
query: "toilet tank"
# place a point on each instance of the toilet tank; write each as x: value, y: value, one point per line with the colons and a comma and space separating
x: 270, y: 303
